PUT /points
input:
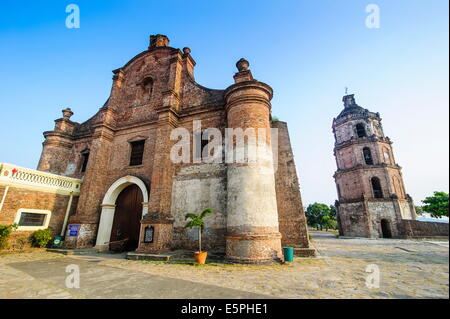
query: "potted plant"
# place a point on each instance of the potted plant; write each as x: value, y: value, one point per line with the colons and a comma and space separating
x: 199, y: 222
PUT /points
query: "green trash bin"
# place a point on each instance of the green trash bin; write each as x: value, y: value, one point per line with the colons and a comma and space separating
x: 288, y: 254
x: 57, y: 241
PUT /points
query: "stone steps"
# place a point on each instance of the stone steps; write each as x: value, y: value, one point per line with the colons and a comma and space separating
x: 143, y: 256
x: 68, y: 252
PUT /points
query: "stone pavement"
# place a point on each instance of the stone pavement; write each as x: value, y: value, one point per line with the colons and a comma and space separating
x: 408, y: 269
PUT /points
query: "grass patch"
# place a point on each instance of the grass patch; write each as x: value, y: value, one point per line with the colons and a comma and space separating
x: 25, y: 251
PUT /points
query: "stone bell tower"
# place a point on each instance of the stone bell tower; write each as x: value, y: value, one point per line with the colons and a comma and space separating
x: 372, y: 197
x: 252, y: 219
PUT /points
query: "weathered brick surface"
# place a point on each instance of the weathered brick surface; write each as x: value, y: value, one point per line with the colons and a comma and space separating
x: 196, y: 187
x: 291, y: 215
x: 18, y: 198
x: 417, y: 228
x: 2, y: 191
x: 162, y: 238
x: 252, y: 216
x: 85, y: 238
x: 151, y: 95
x: 360, y: 211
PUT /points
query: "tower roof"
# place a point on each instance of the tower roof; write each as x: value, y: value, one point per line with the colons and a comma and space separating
x: 353, y: 110
x: 350, y: 106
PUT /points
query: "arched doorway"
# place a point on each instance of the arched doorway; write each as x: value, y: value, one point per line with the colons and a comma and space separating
x: 127, y: 217
x: 112, y: 202
x: 385, y: 229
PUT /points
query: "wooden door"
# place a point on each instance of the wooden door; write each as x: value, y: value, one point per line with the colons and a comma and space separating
x: 127, y: 220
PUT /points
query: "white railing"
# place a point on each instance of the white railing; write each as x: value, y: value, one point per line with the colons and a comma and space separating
x: 14, y: 175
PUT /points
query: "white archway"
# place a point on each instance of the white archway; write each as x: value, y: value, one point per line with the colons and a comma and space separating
x: 109, y: 208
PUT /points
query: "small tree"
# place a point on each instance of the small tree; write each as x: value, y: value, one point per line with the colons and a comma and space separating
x: 315, y: 213
x: 436, y: 205
x: 333, y: 211
x: 329, y: 222
x: 198, y: 221
x: 419, y: 210
x: 40, y: 238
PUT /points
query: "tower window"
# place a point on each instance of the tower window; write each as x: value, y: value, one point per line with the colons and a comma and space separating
x: 85, y: 159
x: 387, y: 156
x: 147, y: 88
x: 367, y: 156
x: 361, y: 130
x: 376, y: 187
x: 137, y: 153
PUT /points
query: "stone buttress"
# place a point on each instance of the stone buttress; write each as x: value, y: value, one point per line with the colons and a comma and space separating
x: 252, y: 218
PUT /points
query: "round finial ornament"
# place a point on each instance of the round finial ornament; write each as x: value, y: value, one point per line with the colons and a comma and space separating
x: 186, y: 50
x: 67, y: 113
x: 242, y: 65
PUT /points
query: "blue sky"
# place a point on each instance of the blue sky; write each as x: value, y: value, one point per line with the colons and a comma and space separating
x: 308, y: 51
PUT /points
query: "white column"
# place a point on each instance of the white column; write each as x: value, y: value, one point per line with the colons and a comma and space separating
x: 66, y: 216
x: 4, y: 197
x: 144, y: 209
x: 105, y: 227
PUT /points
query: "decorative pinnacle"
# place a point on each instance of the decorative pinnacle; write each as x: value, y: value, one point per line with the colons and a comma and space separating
x: 158, y: 40
x: 242, y: 65
x: 67, y: 113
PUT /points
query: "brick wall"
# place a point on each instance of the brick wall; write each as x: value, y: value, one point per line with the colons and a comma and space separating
x: 291, y: 216
x: 152, y: 94
x: 353, y: 220
x: 416, y: 228
x: 18, y: 198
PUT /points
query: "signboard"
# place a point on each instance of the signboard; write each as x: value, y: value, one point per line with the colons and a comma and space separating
x: 73, y: 230
x: 148, y: 234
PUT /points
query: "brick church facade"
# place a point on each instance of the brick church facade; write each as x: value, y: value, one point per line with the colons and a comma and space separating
x: 131, y: 187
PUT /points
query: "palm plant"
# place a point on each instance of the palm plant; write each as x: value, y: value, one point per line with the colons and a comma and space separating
x: 198, y: 221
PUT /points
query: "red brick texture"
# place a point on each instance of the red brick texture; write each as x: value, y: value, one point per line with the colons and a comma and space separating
x: 18, y: 198
x: 291, y: 215
x: 152, y: 94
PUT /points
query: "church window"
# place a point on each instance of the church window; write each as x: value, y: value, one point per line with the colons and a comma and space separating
x: 137, y: 152
x: 84, y: 161
x: 147, y: 88
x: 361, y: 130
x: 376, y: 187
x: 387, y: 156
x: 32, y: 219
x: 367, y: 156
